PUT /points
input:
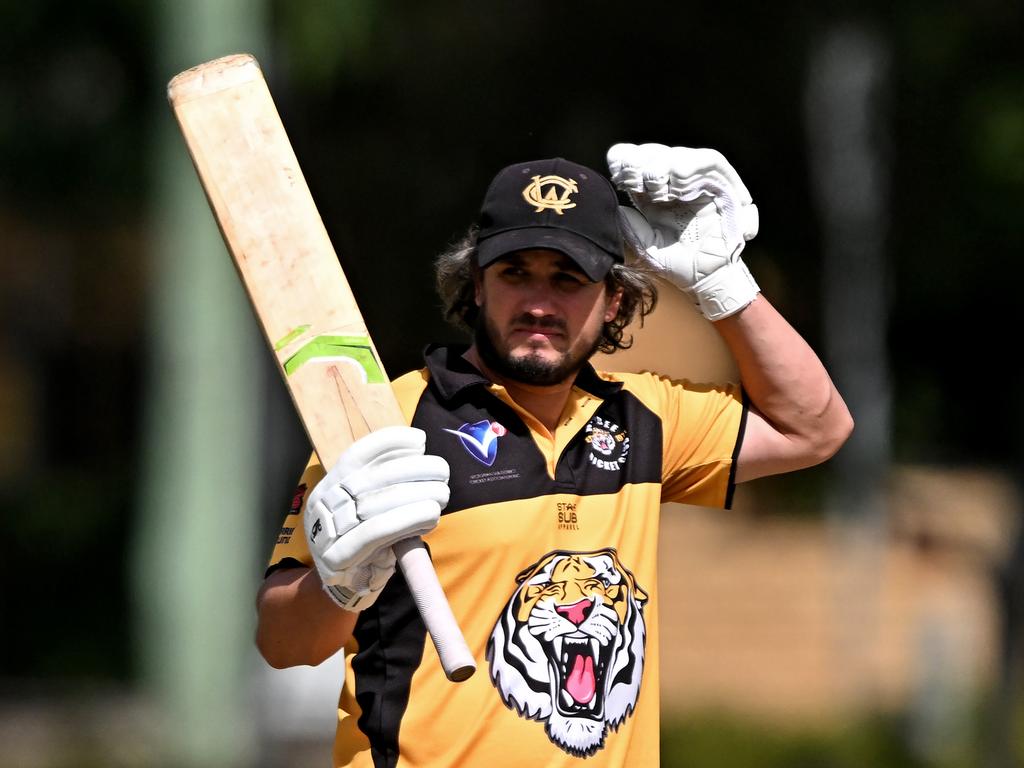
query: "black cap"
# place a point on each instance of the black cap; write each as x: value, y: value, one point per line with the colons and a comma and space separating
x: 554, y: 204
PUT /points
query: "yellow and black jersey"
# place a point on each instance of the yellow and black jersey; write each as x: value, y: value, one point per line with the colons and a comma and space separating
x: 548, y: 554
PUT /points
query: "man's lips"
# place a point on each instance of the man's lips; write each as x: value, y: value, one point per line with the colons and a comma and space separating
x: 537, y: 339
x: 539, y: 332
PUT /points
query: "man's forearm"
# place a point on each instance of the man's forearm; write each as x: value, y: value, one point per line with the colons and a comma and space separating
x: 298, y: 622
x: 799, y: 417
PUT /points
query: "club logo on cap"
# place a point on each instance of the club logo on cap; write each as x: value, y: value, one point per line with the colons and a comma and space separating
x: 543, y: 193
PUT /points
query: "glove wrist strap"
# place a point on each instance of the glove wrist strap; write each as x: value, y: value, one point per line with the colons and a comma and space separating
x: 345, y: 598
x: 725, y: 291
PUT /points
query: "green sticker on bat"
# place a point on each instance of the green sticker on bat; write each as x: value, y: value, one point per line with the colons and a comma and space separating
x: 348, y: 349
x: 290, y: 337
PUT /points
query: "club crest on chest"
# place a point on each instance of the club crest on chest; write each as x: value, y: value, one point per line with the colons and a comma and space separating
x: 609, y: 444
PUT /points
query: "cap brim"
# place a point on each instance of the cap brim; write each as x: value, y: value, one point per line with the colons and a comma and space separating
x: 591, y: 259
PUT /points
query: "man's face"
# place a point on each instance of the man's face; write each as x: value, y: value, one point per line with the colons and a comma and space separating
x: 540, y: 316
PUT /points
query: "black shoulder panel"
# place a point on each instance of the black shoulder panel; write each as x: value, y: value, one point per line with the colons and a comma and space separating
x: 493, y: 456
x: 621, y: 444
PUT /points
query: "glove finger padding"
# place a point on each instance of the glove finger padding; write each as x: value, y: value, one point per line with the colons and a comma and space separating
x: 656, y: 172
x: 399, y: 470
x: 342, y: 517
x: 379, y: 446
x: 358, y: 588
x: 380, y: 567
x: 373, y: 575
x: 381, y: 490
x: 398, y: 495
x: 740, y: 222
x: 623, y: 168
x: 358, y: 545
x: 690, y: 164
x: 699, y: 215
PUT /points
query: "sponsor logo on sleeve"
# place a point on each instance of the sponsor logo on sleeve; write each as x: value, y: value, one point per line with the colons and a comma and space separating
x: 300, y: 494
x: 285, y: 535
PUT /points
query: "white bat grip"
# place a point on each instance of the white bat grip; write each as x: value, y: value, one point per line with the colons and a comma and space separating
x: 455, y: 656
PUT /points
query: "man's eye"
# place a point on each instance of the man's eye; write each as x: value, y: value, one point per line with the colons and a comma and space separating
x: 568, y: 280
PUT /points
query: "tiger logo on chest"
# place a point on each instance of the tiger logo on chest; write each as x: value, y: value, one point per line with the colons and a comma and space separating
x: 568, y: 648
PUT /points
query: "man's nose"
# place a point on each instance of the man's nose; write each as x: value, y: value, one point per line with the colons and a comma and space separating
x: 540, y: 302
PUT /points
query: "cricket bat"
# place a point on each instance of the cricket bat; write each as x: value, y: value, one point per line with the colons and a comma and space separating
x: 297, y: 289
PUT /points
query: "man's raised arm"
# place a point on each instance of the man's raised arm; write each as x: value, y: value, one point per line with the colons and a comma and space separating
x: 693, y: 217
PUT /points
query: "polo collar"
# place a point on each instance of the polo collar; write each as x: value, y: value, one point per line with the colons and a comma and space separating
x: 451, y: 373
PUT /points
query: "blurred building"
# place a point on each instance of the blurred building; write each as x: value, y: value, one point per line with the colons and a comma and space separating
x: 751, y: 606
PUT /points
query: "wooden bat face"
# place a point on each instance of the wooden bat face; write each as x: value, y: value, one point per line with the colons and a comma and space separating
x: 282, y: 252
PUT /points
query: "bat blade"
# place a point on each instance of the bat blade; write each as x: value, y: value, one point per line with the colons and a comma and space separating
x: 297, y: 287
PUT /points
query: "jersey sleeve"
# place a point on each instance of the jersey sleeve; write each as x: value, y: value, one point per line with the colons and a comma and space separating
x: 702, y: 427
x: 703, y: 431
x: 291, y: 541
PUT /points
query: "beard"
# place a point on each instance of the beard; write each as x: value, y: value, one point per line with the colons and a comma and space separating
x: 531, y: 368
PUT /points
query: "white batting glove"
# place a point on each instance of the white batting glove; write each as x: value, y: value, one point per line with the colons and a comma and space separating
x: 695, y: 216
x: 382, y: 490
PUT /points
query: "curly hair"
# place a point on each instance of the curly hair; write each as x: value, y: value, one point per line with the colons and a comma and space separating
x: 455, y: 270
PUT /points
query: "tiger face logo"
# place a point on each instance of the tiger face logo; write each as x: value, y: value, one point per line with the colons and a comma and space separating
x: 602, y: 441
x: 568, y: 649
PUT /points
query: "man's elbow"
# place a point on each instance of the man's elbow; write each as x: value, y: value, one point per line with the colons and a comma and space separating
x: 285, y: 654
x: 831, y: 438
x: 275, y: 661
x: 274, y: 652
x: 275, y: 644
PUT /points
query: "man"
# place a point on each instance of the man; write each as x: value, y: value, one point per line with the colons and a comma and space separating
x: 550, y: 475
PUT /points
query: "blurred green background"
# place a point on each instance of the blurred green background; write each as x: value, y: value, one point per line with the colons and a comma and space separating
x: 147, y: 449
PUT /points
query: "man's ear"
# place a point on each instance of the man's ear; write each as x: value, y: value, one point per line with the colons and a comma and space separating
x: 614, y: 301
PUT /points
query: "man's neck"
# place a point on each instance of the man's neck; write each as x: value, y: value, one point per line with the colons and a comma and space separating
x: 545, y: 403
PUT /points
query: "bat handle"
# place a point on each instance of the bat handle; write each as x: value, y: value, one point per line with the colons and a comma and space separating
x: 456, y: 658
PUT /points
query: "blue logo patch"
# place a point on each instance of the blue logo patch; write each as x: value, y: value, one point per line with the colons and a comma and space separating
x: 480, y: 440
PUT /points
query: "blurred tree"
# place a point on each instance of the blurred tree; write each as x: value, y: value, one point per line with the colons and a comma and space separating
x: 959, y: 74
x: 847, y: 125
x: 72, y: 85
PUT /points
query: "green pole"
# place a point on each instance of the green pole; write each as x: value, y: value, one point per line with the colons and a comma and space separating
x: 195, y: 564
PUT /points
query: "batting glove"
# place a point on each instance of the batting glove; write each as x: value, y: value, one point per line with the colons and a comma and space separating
x: 383, y: 489
x: 695, y: 215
